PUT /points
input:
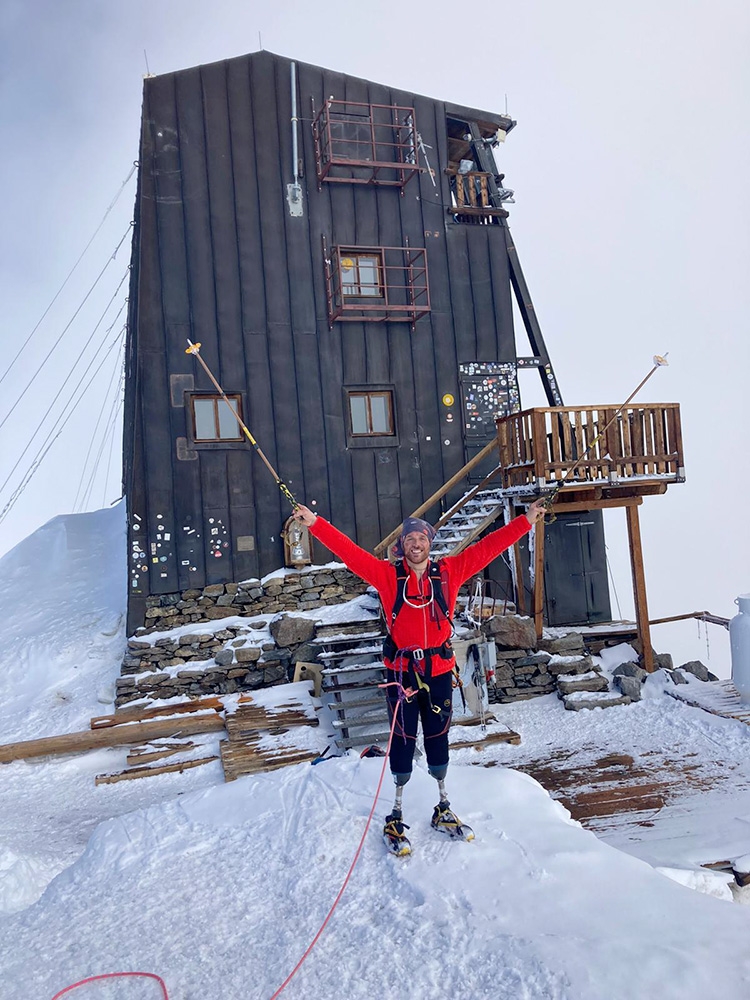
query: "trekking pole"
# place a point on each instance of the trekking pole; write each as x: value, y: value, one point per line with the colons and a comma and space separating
x: 659, y: 362
x: 195, y: 349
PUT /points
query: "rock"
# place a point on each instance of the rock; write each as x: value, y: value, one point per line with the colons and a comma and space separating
x: 289, y: 631
x: 663, y: 661
x: 247, y: 654
x: 512, y: 632
x: 678, y: 677
x: 591, y: 681
x: 274, y: 673
x: 225, y: 657
x: 215, y: 612
x: 630, y: 686
x: 578, y: 701
x: 224, y: 600
x: 307, y: 653
x: 536, y: 659
x: 697, y: 669
x: 568, y: 644
x: 630, y: 669
x: 559, y: 664
x: 213, y: 590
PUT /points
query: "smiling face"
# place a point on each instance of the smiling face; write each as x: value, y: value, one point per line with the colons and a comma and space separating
x: 416, y: 546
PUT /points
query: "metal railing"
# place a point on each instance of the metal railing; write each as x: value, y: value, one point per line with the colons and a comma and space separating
x: 375, y: 143
x: 376, y: 284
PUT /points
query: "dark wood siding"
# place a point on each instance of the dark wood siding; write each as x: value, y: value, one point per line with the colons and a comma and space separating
x: 220, y: 260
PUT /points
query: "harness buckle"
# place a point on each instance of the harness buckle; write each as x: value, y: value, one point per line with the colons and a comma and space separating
x: 418, y: 654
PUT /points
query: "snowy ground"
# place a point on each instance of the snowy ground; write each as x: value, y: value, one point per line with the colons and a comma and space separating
x: 219, y: 888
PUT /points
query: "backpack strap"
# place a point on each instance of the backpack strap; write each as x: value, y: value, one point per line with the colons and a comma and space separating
x: 402, y: 575
x: 436, y: 582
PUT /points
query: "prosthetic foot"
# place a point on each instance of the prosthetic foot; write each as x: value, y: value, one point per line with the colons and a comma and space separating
x: 393, y: 835
x: 444, y: 820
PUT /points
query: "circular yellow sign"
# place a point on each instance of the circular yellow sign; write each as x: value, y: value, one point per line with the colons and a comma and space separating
x: 448, y: 400
x: 346, y: 263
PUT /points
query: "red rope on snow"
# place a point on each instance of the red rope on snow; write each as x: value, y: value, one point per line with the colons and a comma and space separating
x: 314, y: 941
x: 112, y: 975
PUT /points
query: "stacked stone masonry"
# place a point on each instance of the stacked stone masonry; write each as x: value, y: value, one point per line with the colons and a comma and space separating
x: 231, y: 658
x: 303, y: 591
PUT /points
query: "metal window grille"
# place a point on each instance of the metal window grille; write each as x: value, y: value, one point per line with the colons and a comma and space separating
x: 362, y: 143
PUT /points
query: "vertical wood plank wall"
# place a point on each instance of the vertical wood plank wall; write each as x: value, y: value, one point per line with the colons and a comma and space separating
x: 218, y: 259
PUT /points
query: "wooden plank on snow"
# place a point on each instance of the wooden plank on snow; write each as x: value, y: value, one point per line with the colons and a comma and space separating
x: 137, y: 732
x: 145, y: 772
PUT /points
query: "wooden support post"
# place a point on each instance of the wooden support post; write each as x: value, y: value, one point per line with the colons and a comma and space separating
x: 639, y: 587
x: 520, y: 587
x: 539, y: 577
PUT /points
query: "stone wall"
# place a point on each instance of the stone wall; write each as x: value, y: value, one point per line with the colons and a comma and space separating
x: 303, y: 591
x: 228, y: 655
x: 527, y: 667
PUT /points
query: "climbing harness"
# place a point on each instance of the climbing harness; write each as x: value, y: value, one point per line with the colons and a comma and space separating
x: 195, y: 349
x: 392, y: 651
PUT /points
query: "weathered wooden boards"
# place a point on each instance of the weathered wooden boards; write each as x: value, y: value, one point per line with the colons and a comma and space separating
x: 158, y: 734
x: 717, y: 697
x: 243, y: 753
x: 145, y: 772
x: 487, y: 739
x: 111, y: 736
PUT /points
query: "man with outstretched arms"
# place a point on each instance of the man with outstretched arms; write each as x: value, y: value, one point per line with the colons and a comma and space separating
x: 418, y: 598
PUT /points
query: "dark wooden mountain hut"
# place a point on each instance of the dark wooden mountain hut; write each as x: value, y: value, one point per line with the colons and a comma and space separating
x: 341, y: 251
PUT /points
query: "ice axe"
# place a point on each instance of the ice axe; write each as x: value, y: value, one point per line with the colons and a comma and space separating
x: 195, y: 349
x: 659, y: 362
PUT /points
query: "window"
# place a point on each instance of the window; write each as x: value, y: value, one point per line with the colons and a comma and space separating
x: 362, y: 275
x: 213, y: 420
x: 371, y: 414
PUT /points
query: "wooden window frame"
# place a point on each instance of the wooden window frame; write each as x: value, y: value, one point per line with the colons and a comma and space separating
x: 371, y: 438
x: 356, y: 257
x: 235, y: 399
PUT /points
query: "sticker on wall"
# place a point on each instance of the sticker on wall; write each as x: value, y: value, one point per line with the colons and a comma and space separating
x: 448, y: 399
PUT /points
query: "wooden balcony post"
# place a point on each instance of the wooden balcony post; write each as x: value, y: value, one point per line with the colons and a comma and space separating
x: 539, y: 447
x: 639, y: 587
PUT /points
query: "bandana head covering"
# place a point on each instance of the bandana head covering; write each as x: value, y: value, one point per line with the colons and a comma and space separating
x: 412, y: 524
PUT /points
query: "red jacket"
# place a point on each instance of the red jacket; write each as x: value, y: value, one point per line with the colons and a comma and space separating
x: 422, y: 627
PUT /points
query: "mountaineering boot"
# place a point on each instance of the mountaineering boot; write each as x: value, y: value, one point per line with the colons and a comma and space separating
x: 445, y: 821
x: 393, y: 835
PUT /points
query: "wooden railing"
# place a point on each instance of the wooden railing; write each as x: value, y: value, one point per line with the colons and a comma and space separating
x: 471, y: 192
x: 591, y: 444
x: 382, y: 546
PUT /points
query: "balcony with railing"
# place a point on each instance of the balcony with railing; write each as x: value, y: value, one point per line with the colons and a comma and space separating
x: 603, y: 448
x: 376, y: 284
x: 470, y: 197
x: 360, y: 143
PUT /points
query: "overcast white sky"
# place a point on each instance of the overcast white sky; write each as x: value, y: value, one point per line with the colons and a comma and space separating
x: 630, y: 166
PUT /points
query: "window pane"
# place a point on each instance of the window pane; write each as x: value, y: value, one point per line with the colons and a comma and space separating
x: 369, y: 276
x: 228, y: 426
x: 358, y: 410
x: 381, y: 416
x: 205, y: 429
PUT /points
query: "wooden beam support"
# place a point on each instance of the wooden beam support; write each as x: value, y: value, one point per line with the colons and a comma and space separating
x: 114, y: 736
x: 563, y: 508
x: 539, y: 577
x: 639, y: 587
